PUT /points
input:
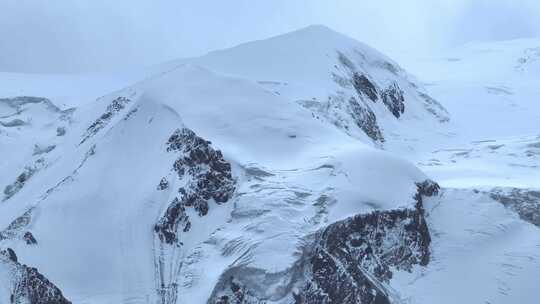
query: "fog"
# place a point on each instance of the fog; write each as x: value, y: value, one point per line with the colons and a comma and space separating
x: 57, y: 36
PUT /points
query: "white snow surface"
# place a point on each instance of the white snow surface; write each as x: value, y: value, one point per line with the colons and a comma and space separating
x: 94, y: 204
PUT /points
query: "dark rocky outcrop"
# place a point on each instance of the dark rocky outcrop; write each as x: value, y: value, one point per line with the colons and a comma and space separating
x: 17, y: 227
x: 163, y: 184
x: 427, y: 188
x: 352, y: 258
x: 60, y: 131
x: 29, y: 238
x: 209, y: 178
x: 205, y: 176
x: 113, y: 108
x: 11, y: 255
x: 366, y: 120
x: 237, y: 293
x: 30, y: 286
x: 364, y: 86
x: 350, y: 261
x: 525, y: 202
x: 393, y: 98
x: 21, y: 180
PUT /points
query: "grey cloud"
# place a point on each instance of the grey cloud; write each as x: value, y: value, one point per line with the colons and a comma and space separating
x: 77, y: 35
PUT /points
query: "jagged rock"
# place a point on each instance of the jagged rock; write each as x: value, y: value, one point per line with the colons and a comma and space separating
x: 163, y: 184
x: 10, y: 190
x: 60, y: 131
x: 20, y: 181
x: 204, y: 175
x: 114, y: 108
x: 365, y: 87
x: 175, y: 216
x: 366, y: 120
x: 352, y: 257
x: 393, y: 98
x: 28, y: 237
x: 347, y: 114
x: 525, y: 202
x: 237, y: 293
x: 30, y: 286
x: 209, y: 177
x: 428, y: 188
x: 16, y: 227
x: 11, y: 254
x: 349, y: 261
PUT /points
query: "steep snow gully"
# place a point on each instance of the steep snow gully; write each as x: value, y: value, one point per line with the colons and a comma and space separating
x: 302, y: 169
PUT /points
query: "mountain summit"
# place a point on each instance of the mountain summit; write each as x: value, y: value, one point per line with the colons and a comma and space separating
x: 340, y: 80
x: 272, y: 172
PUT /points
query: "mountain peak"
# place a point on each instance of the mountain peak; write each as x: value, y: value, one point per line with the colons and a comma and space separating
x: 316, y: 28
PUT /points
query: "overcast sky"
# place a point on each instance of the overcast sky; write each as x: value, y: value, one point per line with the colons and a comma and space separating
x: 95, y: 35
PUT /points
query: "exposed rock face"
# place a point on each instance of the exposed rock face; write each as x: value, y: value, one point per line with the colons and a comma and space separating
x: 30, y: 286
x: 163, y: 184
x: 361, y: 112
x: 11, y: 255
x: 29, y: 238
x: 60, y: 131
x: 350, y: 261
x: 237, y: 294
x: 209, y: 178
x: 364, y: 86
x: 351, y: 107
x: 204, y: 176
x: 366, y: 120
x: 352, y: 258
x: 16, y: 228
x: 427, y: 188
x: 112, y: 110
x: 347, y: 114
x: 21, y: 180
x: 525, y: 202
x: 393, y: 98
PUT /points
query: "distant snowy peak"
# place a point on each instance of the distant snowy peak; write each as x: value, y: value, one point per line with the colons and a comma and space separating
x: 493, y: 61
x: 340, y: 80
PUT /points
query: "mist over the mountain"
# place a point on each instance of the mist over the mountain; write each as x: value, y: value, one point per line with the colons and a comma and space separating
x: 75, y: 36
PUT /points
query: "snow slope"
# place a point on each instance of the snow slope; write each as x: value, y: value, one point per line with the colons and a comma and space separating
x: 342, y: 81
x: 256, y: 175
x: 491, y: 90
x: 94, y: 200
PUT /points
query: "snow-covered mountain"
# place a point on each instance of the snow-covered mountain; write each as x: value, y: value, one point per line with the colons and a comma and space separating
x: 340, y: 80
x: 287, y: 170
